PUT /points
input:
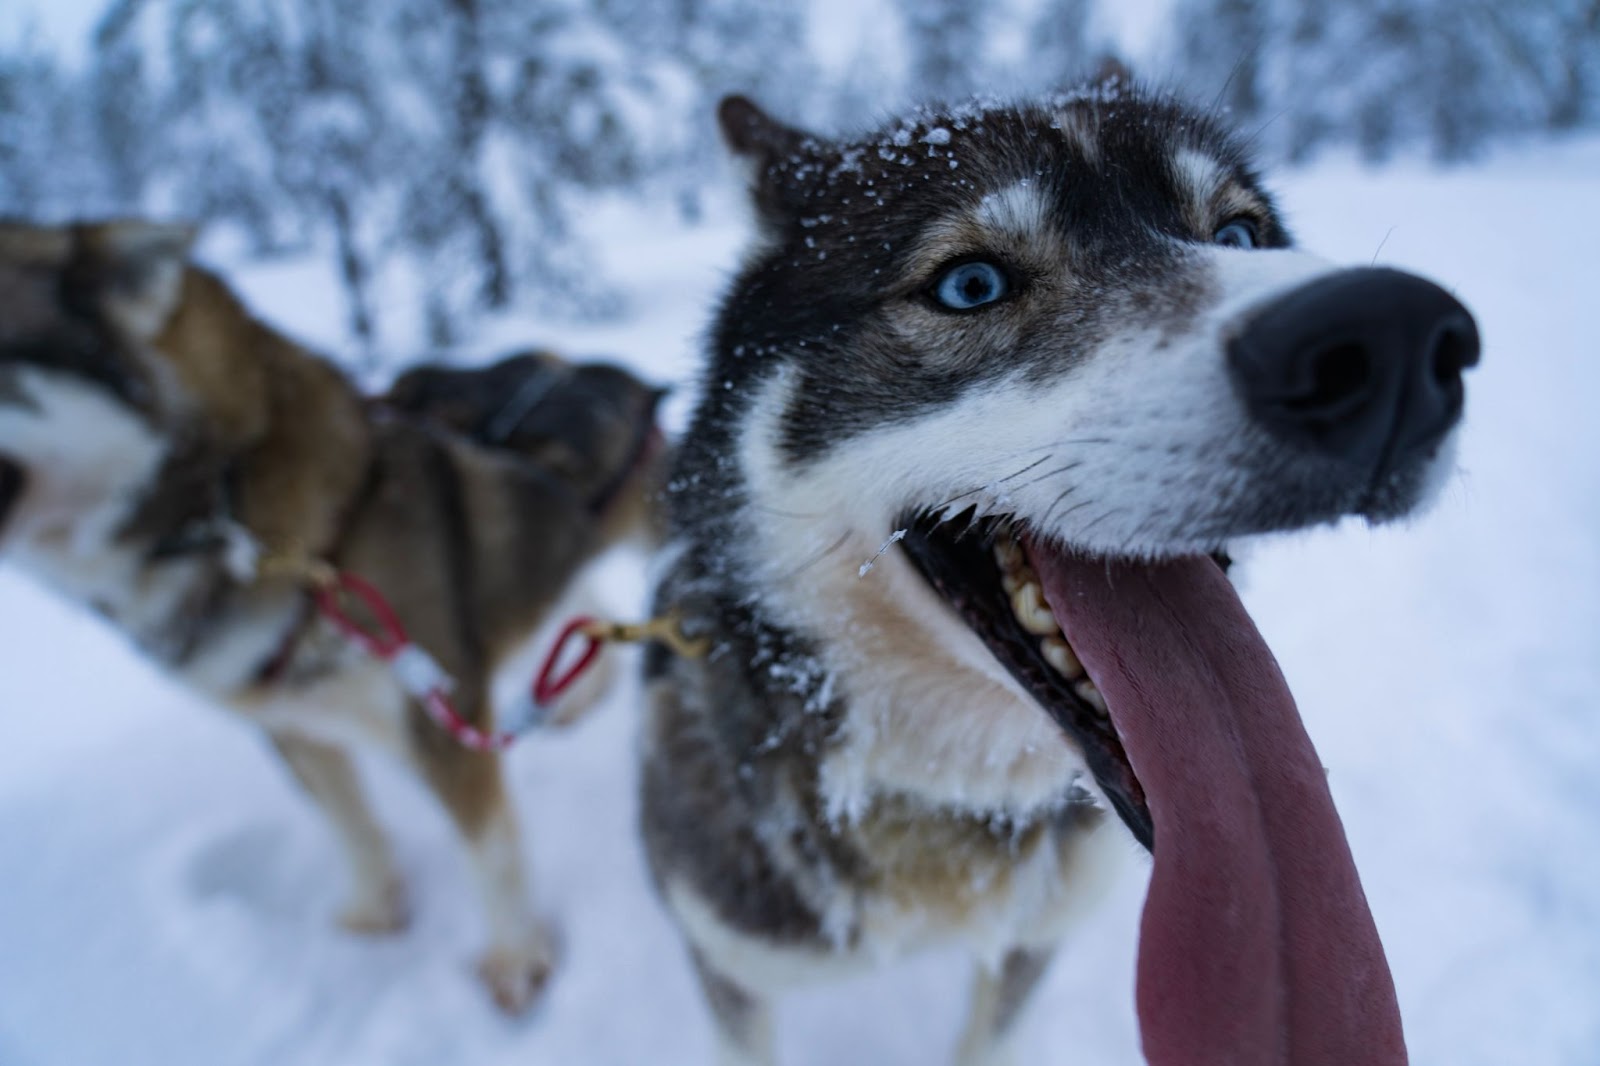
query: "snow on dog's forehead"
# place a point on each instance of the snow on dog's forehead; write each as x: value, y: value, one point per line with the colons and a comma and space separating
x: 1016, y: 209
x: 1131, y: 163
x: 1081, y: 128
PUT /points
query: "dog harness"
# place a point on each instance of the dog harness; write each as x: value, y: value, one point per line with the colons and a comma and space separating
x: 421, y: 676
x: 339, y: 596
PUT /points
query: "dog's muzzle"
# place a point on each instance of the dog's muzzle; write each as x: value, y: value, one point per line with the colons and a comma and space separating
x: 1362, y: 366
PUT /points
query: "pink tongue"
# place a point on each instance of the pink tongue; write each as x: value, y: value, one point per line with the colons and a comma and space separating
x: 1256, y: 946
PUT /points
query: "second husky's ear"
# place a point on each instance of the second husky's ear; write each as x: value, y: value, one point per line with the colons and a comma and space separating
x: 1112, y: 71
x: 46, y: 247
x: 769, y: 151
x: 139, y: 268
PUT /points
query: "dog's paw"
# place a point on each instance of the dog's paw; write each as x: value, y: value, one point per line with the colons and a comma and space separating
x: 516, y: 977
x: 382, y: 910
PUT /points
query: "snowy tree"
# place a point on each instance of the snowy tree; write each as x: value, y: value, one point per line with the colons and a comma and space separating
x: 699, y: 51
x: 1060, y: 47
x: 229, y: 86
x: 339, y: 154
x: 448, y: 220
x: 946, y: 40
x: 443, y: 152
x: 49, y: 164
x: 29, y: 82
x: 1575, y: 99
x: 1553, y: 46
x: 1446, y: 73
x: 1220, y: 51
x: 122, y: 108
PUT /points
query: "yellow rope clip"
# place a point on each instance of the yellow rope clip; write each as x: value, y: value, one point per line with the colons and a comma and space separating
x: 317, y: 573
x: 665, y: 630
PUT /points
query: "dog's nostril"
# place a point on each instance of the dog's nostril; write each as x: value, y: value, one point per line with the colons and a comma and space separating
x: 1454, y: 349
x: 1336, y: 374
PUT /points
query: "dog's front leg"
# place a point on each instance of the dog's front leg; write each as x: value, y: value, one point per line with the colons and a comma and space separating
x: 520, y: 956
x: 377, y: 902
x: 998, y: 996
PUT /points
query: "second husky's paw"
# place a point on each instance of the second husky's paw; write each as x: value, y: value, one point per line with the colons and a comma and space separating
x: 380, y: 910
x: 517, y: 976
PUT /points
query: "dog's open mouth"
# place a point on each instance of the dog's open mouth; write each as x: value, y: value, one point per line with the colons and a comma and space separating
x: 1257, y: 946
x: 12, y: 481
x: 984, y: 572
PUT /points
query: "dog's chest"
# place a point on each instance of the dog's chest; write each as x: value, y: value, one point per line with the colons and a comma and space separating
x: 931, y: 877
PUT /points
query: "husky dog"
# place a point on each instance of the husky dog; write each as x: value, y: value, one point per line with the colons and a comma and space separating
x: 990, y: 396
x: 151, y: 429
x: 575, y: 420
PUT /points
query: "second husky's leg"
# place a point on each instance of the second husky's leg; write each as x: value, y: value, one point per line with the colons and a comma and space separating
x: 743, y: 1021
x: 520, y: 955
x: 998, y: 997
x: 377, y: 901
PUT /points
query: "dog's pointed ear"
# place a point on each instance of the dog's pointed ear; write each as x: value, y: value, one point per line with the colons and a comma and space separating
x: 139, y: 268
x: 1111, y: 72
x: 754, y: 135
x: 36, y: 246
x: 772, y: 155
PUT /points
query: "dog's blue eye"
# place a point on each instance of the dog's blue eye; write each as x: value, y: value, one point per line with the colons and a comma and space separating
x: 1236, y: 234
x: 971, y: 285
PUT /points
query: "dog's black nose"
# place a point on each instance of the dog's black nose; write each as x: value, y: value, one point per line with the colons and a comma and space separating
x: 1363, y: 364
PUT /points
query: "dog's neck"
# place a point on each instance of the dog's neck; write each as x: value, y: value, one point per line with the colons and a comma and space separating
x: 925, y: 711
x: 920, y: 707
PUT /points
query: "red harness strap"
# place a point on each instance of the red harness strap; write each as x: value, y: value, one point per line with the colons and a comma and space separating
x: 416, y: 671
x: 427, y: 682
x: 549, y: 685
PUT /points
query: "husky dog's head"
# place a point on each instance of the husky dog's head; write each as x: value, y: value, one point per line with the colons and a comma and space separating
x: 590, y: 424
x: 82, y: 394
x: 990, y: 397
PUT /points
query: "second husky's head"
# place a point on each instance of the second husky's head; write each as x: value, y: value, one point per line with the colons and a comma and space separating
x: 1074, y: 326
x: 592, y: 425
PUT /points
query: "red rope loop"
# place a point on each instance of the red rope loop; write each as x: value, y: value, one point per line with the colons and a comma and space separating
x: 549, y: 685
x: 386, y: 640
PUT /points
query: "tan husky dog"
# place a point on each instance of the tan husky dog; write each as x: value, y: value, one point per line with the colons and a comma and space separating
x: 153, y: 433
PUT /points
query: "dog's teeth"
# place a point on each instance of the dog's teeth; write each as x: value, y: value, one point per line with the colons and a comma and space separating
x: 1027, y: 603
x: 1091, y: 696
x: 1018, y: 576
x: 1062, y: 659
x: 1007, y: 553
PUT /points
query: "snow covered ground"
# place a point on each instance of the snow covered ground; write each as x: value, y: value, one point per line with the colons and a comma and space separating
x: 165, y: 893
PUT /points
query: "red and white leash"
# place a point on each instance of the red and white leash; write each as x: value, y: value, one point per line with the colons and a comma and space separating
x: 387, y: 641
x: 421, y: 676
